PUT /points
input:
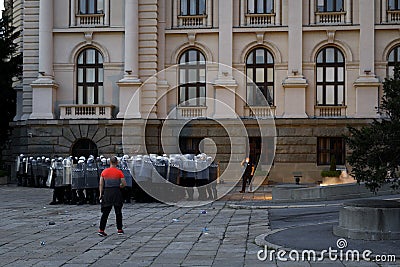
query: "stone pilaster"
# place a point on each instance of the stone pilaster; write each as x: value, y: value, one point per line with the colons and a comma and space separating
x: 148, y: 57
x: 312, y: 12
x: 30, y: 16
x: 277, y: 7
x: 225, y: 85
x: 295, y: 84
x: 129, y: 99
x: 367, y: 84
x: 44, y: 88
x: 384, y: 11
x: 132, y: 40
x: 162, y: 84
x: 129, y: 86
x: 348, y: 11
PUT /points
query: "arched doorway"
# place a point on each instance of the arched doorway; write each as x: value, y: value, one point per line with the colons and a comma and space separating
x: 84, y: 147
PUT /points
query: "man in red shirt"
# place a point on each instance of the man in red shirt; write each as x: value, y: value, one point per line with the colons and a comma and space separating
x: 111, y: 182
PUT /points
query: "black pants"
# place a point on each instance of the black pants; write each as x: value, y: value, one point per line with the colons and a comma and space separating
x: 245, y: 178
x: 104, y: 217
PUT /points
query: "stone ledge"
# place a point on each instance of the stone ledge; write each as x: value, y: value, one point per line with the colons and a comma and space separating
x: 282, y: 193
x: 369, y: 220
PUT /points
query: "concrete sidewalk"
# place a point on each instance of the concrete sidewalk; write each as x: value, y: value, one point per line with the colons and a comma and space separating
x: 156, y: 234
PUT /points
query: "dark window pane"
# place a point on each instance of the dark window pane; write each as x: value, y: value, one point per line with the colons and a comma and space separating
x: 251, y: 6
x: 260, y: 6
x: 184, y: 7
x: 82, y: 6
x: 193, y: 7
x: 91, y: 6
x: 270, y: 6
x: 250, y: 58
x: 202, y: 7
x: 339, y: 5
x: 260, y: 56
x: 327, y: 147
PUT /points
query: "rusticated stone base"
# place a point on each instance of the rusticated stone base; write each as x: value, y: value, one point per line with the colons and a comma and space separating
x: 296, y: 142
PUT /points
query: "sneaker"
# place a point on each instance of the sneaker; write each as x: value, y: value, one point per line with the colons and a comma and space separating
x: 121, y: 232
x: 102, y: 233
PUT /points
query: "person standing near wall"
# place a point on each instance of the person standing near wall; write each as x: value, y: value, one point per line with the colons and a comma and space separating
x: 111, y: 182
x: 248, y: 167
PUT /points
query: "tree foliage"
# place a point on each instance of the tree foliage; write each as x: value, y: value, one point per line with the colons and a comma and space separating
x: 10, y: 68
x: 375, y: 157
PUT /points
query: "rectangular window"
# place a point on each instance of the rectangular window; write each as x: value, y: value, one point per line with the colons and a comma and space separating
x: 329, y: 147
x: 260, y: 6
x: 91, y: 6
x: 193, y: 7
x: 330, y: 5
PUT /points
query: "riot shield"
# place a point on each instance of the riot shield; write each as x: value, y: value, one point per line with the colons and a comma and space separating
x: 59, y: 170
x: 67, y: 173
x: 91, y: 176
x: 78, y: 176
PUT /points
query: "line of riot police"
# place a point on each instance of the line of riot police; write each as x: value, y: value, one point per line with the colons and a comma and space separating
x: 148, y: 177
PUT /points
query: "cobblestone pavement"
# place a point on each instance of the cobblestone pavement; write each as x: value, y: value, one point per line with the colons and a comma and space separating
x: 155, y: 234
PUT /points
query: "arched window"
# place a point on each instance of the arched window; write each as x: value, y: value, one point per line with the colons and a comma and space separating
x: 90, y: 77
x: 193, y: 7
x: 394, y: 58
x: 330, y: 77
x: 91, y: 7
x: 260, y: 72
x: 394, y: 5
x: 260, y: 6
x: 330, y: 5
x: 192, y: 78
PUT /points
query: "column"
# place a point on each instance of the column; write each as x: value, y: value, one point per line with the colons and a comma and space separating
x: 384, y: 11
x: 243, y: 12
x: 162, y: 84
x: 107, y: 12
x: 367, y: 84
x: 73, y: 12
x: 295, y: 84
x: 44, y: 88
x: 175, y: 6
x: 225, y: 85
x: 312, y: 12
x: 209, y: 13
x: 131, y: 39
x: 278, y: 12
x: 130, y: 84
x: 349, y: 11
x: 46, y: 38
x: 225, y: 38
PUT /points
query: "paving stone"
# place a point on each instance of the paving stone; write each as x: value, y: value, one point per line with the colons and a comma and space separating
x: 152, y: 238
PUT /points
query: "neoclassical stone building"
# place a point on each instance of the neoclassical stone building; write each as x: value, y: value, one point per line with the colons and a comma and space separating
x: 90, y: 65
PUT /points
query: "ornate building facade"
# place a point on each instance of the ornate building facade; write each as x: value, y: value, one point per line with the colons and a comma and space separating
x: 92, y: 65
